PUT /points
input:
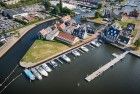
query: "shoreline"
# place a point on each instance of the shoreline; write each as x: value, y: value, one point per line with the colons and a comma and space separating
x: 13, y: 40
x: 84, y: 42
x: 135, y: 53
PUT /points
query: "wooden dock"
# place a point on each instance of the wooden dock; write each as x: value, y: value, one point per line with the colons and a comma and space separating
x: 106, y: 67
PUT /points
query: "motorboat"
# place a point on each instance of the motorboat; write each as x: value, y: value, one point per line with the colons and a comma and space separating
x: 46, y: 67
x: 36, y: 73
x: 84, y: 49
x: 66, y: 58
x: 53, y: 64
x: 95, y: 43
x: 29, y: 74
x: 75, y: 53
x: 41, y: 71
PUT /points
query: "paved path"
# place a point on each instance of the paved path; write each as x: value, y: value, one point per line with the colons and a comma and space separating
x: 106, y: 67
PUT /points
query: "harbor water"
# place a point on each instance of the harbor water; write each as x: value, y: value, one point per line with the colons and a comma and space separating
x: 123, y: 78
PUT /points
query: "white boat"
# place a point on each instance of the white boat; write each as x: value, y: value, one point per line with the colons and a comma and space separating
x: 46, y: 67
x: 95, y: 43
x: 41, y: 71
x: 36, y: 73
x: 53, y: 64
x: 84, y: 49
x: 29, y: 74
x: 75, y: 53
x: 66, y: 58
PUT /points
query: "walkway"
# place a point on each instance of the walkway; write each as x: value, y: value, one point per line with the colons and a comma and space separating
x: 106, y: 67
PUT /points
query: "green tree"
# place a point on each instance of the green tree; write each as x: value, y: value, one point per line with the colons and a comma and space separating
x: 99, y: 6
x: 47, y: 4
x: 60, y: 6
x: 137, y: 43
x: 67, y: 11
x: 97, y: 14
x: 56, y: 10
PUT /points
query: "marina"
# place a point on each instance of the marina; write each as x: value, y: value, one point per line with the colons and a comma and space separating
x: 90, y: 61
x: 70, y: 77
x: 44, y: 68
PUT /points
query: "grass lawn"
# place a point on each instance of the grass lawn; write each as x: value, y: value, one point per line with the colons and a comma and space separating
x: 126, y: 20
x: 98, y: 20
x: 43, y: 49
x: 134, y: 32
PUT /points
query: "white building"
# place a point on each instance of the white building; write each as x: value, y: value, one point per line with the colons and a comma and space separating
x: 70, y: 6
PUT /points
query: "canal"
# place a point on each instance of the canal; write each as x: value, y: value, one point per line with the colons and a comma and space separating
x: 123, y: 78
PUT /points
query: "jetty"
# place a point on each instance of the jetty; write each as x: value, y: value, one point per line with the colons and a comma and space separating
x: 106, y: 67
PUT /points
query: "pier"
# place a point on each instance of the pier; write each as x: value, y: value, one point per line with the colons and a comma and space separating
x: 60, y: 61
x: 106, y: 67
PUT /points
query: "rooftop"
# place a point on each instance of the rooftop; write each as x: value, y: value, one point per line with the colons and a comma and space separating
x: 65, y: 36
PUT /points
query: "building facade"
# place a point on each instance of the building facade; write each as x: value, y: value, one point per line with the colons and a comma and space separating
x: 80, y: 32
x: 49, y: 33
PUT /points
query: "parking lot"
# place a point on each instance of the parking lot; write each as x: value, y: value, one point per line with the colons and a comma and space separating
x: 8, y: 24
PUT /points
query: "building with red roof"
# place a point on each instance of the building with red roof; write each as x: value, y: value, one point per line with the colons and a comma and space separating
x: 61, y: 26
x: 67, y: 38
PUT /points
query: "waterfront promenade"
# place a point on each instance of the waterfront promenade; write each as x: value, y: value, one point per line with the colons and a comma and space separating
x: 13, y: 40
x: 106, y: 67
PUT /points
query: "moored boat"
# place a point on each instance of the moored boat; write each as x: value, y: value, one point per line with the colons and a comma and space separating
x: 53, y: 64
x: 84, y: 48
x: 29, y: 74
x: 46, y: 67
x: 36, y: 73
x: 41, y: 71
x: 75, y: 53
x: 95, y: 43
x: 66, y: 58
